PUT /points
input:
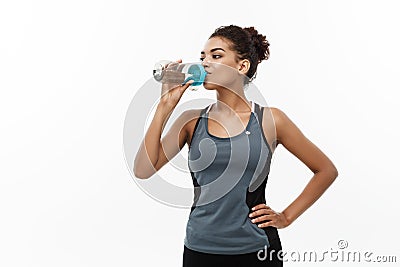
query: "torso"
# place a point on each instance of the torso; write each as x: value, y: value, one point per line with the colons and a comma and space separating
x: 229, y: 174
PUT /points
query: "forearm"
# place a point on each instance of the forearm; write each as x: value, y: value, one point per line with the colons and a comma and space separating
x: 148, y: 153
x: 311, y: 193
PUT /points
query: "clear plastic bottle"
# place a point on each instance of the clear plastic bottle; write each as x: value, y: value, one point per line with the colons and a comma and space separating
x: 166, y: 71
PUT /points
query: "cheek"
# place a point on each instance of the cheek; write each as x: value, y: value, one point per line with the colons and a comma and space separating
x: 221, y: 75
x: 224, y: 68
x: 230, y: 62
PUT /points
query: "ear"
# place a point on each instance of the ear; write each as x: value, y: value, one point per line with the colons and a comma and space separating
x: 244, y: 66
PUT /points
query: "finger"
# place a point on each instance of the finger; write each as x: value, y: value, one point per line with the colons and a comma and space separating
x: 263, y: 218
x: 259, y: 212
x: 186, y: 85
x: 260, y: 206
x: 179, y: 61
x: 266, y: 224
x: 171, y: 66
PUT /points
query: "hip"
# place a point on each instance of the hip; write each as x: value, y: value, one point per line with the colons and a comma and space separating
x: 270, y: 256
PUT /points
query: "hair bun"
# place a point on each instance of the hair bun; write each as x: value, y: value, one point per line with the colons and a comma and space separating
x: 259, y: 42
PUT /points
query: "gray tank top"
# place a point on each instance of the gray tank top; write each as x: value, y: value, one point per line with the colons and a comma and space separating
x: 229, y: 175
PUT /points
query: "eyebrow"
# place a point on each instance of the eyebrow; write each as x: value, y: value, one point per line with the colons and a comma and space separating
x: 213, y: 50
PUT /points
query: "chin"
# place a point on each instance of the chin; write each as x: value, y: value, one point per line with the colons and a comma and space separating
x: 209, y: 86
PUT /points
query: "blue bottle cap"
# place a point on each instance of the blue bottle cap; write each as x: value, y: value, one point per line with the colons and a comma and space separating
x: 198, y: 74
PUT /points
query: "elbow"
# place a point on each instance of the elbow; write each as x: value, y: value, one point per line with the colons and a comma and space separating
x: 330, y: 172
x: 333, y: 173
x: 140, y: 173
x: 138, y: 170
x: 336, y: 173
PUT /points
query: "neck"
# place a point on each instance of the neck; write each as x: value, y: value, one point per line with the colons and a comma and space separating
x: 230, y: 102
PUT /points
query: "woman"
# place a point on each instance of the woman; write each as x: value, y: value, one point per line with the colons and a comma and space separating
x: 230, y: 223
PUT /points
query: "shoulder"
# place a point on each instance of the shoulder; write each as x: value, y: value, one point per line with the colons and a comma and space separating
x: 286, y: 129
x: 281, y: 120
x: 279, y: 116
x: 189, y: 117
x: 191, y: 114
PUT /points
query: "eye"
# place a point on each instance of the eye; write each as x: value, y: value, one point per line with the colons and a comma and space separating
x: 216, y: 56
x: 202, y: 58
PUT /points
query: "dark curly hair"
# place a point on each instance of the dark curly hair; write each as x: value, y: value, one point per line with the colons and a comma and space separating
x: 247, y: 43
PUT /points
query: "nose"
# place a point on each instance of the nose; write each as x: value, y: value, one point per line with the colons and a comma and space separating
x: 205, y: 63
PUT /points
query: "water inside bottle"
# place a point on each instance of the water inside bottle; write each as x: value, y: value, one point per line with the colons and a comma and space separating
x: 179, y: 73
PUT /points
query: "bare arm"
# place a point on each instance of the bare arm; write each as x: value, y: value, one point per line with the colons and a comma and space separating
x: 325, y: 172
x: 153, y: 152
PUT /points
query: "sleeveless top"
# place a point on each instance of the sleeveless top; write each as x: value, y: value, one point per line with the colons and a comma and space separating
x: 229, y: 177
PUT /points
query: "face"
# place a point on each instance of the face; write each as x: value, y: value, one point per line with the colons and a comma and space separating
x: 223, y: 67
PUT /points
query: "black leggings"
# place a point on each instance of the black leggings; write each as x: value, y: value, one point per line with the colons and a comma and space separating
x: 193, y: 258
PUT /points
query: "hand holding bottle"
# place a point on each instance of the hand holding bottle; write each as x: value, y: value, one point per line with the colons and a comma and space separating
x: 172, y: 89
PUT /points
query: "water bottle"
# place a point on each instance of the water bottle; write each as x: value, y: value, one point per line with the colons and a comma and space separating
x: 166, y: 71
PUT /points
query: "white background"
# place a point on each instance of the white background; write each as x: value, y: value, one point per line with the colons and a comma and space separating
x: 69, y: 70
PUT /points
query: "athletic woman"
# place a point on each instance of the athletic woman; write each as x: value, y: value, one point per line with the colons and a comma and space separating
x: 231, y: 143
